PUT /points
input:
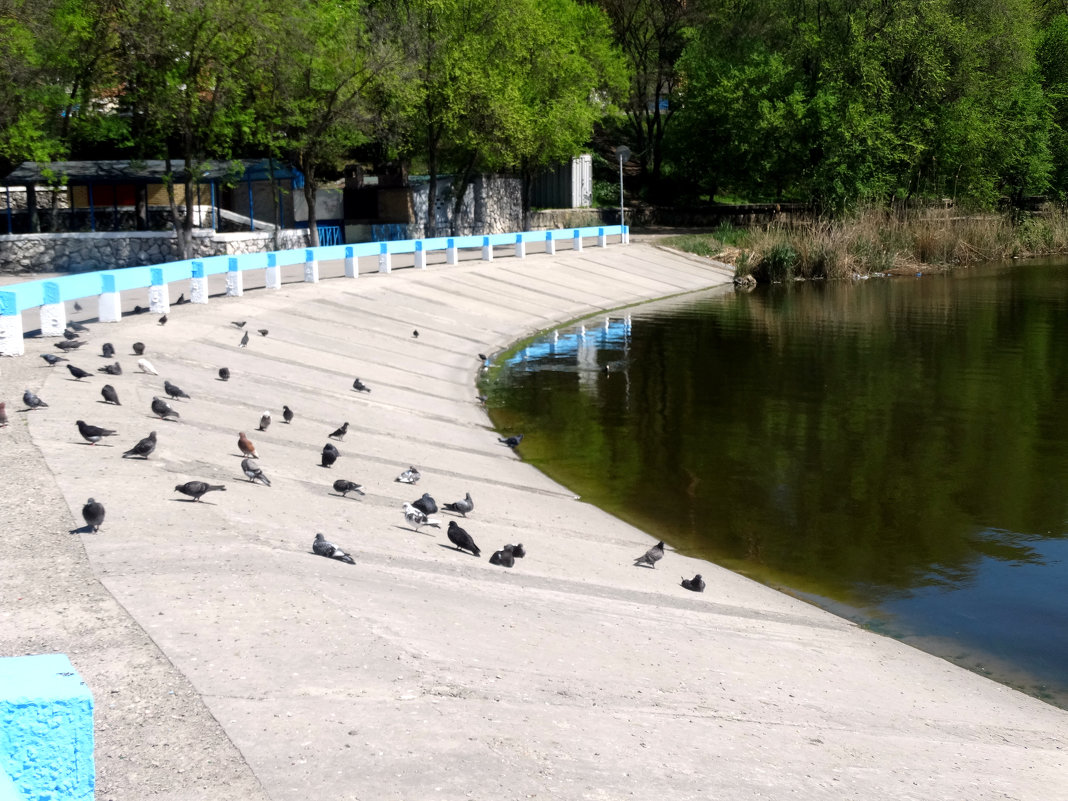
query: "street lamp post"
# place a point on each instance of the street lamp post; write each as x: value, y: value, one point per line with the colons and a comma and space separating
x: 623, y: 152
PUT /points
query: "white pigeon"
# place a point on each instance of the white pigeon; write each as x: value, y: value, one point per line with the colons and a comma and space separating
x: 409, y: 476
x: 417, y: 518
x: 146, y: 367
x: 265, y: 420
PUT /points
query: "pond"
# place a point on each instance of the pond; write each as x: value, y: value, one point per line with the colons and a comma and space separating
x: 894, y: 450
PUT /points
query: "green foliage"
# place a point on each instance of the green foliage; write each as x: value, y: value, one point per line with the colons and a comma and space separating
x: 606, y: 194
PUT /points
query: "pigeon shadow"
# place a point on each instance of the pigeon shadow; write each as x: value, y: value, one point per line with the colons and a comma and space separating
x: 454, y: 548
x: 424, y: 533
x: 649, y: 567
x: 351, y: 498
x: 192, y: 500
x: 96, y: 445
x: 82, y: 530
x: 74, y: 379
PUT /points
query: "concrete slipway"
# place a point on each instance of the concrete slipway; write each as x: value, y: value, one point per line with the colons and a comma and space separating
x: 421, y: 672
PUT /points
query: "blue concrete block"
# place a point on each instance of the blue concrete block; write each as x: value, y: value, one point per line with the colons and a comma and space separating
x: 46, y: 728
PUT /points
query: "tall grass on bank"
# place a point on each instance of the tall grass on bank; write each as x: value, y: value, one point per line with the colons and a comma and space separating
x: 878, y: 241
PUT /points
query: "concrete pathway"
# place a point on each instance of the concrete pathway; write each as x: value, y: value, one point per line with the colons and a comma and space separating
x: 425, y: 673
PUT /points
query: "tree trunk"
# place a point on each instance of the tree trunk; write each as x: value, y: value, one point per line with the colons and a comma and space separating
x: 310, y: 191
x: 276, y: 238
x: 141, y: 207
x: 431, y: 192
x: 460, y: 189
x: 191, y: 201
x: 31, y: 209
x: 176, y: 219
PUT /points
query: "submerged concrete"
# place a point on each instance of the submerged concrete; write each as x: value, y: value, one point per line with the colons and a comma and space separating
x: 424, y: 673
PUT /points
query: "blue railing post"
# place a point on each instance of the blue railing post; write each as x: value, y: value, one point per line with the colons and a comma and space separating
x: 11, y: 336
x: 273, y: 275
x: 550, y: 243
x: 602, y: 238
x: 352, y: 267
x: 198, y: 286
x: 109, y: 302
x: 451, y: 256
x: 311, y: 267
x: 520, y: 247
x: 235, y: 281
x: 53, y: 311
x: 576, y: 242
x: 487, y: 249
x: 385, y: 264
x: 159, y: 294
x: 420, y: 254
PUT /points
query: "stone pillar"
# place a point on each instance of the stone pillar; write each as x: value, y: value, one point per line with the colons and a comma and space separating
x: 273, y: 276
x: 53, y: 311
x: 602, y: 238
x: 311, y: 267
x: 159, y: 294
x: 487, y: 249
x: 235, y: 281
x: 11, y: 339
x: 385, y: 263
x: 550, y: 243
x: 451, y: 256
x: 352, y: 267
x: 198, y: 288
x: 576, y: 242
x: 109, y: 303
x: 420, y: 255
x: 520, y: 247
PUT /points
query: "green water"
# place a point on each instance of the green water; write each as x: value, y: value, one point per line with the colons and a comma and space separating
x: 895, y: 450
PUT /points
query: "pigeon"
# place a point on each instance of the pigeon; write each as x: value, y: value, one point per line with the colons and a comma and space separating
x: 108, y: 350
x: 110, y: 395
x: 163, y: 320
x: 287, y: 414
x: 194, y: 489
x: 697, y: 584
x: 265, y: 421
x: 426, y: 504
x: 417, y: 518
x: 139, y: 348
x: 162, y: 409
x: 110, y: 369
x: 244, y: 340
x: 238, y: 324
x: 409, y: 476
x: 518, y: 551
x: 254, y: 473
x: 74, y: 325
x: 359, y: 386
x: 503, y: 557
x: 263, y: 332
x: 146, y: 367
x: 173, y: 390
x: 69, y: 344
x: 482, y: 357
x: 139, y: 309
x: 246, y: 446
x: 461, y: 507
x: 3, y: 414
x: 482, y: 399
x: 461, y: 539
x: 339, y: 435
x: 330, y: 454
x: 77, y: 306
x: 143, y: 448
x: 93, y: 434
x: 345, y: 487
x: 78, y: 372
x: 511, y: 442
x: 415, y: 334
x: 68, y: 334
x: 93, y: 512
x: 32, y: 401
x: 323, y: 547
x: 181, y: 300
x: 652, y: 556
x: 224, y: 373
x: 52, y: 360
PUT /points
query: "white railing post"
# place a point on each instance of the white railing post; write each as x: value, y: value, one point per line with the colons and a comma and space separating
x: 235, y: 280
x: 626, y: 235
x: 487, y: 249
x: 550, y: 243
x: 576, y: 242
x: 352, y: 268
x: 273, y: 275
x: 451, y: 256
x: 520, y: 247
x: 109, y: 302
x: 602, y: 238
x: 159, y: 294
x: 198, y: 286
x: 12, y: 342
x: 385, y: 263
x: 420, y: 255
x: 311, y: 267
x: 53, y: 311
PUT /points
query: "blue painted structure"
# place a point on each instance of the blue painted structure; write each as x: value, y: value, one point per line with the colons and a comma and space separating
x: 46, y: 729
x: 614, y: 332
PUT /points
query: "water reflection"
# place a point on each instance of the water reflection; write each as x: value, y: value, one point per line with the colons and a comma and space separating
x: 894, y: 448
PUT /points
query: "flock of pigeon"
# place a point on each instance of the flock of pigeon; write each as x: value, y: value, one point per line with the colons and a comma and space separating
x: 418, y: 513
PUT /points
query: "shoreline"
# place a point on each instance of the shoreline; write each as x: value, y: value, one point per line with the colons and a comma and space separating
x: 419, y: 672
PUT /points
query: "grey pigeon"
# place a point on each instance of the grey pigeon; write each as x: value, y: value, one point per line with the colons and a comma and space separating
x: 359, y: 386
x: 162, y: 409
x: 3, y: 414
x: 409, y: 476
x: 224, y: 373
x: 143, y: 448
x: 69, y: 344
x: 238, y: 324
x: 110, y: 395
x: 139, y: 309
x: 461, y: 507
x: 697, y: 584
x: 339, y: 435
x: 139, y: 348
x: 67, y: 334
x: 74, y: 325
x: 265, y: 421
x: 330, y: 454
x: 461, y: 539
x: 518, y: 551
x: 77, y: 306
x: 93, y: 512
x: 417, y: 518
x: 482, y: 357
x: 244, y: 340
x: 163, y: 320
x: 93, y: 434
x: 253, y: 472
x: 264, y: 332
x: 194, y: 489
x: 108, y: 350
x: 503, y: 557
x: 110, y: 369
x: 323, y: 547
x: 52, y: 360
x: 415, y: 334
x: 652, y: 556
x: 174, y: 390
x: 511, y: 442
x: 78, y: 372
x: 344, y: 487
x: 181, y: 300
x: 32, y: 401
x: 287, y: 414
x: 426, y: 504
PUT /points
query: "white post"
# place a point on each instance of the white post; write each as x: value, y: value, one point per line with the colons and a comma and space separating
x: 235, y: 281
x: 12, y: 342
x: 602, y: 238
x: 273, y: 275
x: 487, y: 249
x: 109, y: 302
x: 352, y: 269
x: 53, y: 311
x: 311, y: 267
x: 420, y: 255
x: 576, y: 243
x: 159, y: 294
x: 626, y: 235
x: 550, y: 243
x: 385, y: 263
x: 451, y: 256
x: 198, y: 286
x: 520, y: 247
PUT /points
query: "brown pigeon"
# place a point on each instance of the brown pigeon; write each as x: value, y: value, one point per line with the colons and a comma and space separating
x: 246, y: 446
